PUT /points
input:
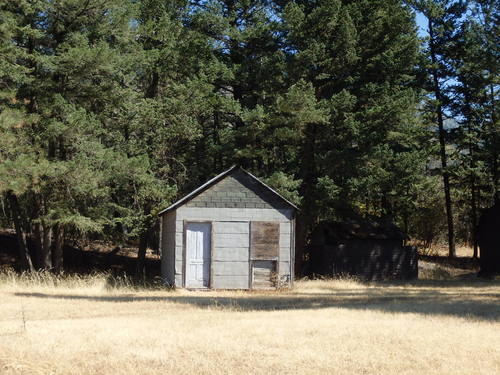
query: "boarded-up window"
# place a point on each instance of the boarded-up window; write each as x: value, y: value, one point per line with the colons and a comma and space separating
x: 263, y: 274
x: 264, y: 240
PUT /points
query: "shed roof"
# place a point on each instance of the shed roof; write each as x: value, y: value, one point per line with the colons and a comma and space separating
x: 375, y: 229
x: 217, y: 179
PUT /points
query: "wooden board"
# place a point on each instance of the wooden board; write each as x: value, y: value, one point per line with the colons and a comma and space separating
x: 264, y: 240
x: 263, y: 274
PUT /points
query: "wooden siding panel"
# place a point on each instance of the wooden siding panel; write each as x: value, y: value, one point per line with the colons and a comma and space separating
x: 284, y: 239
x: 230, y: 282
x: 231, y: 254
x: 179, y: 224
x: 178, y: 237
x: 178, y: 279
x: 231, y: 227
x: 284, y: 268
x: 168, y: 247
x: 231, y: 240
x: 285, y: 242
x: 285, y: 228
x: 285, y: 254
x: 178, y: 251
x: 178, y: 267
x: 230, y: 268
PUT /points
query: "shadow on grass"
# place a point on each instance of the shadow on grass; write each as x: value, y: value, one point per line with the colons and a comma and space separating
x: 480, y: 306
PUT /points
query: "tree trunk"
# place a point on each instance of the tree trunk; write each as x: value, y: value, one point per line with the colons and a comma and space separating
x: 300, y: 244
x: 216, y: 141
x: 473, y: 197
x: 24, y: 254
x: 442, y: 144
x: 474, y: 217
x: 141, y: 255
x: 152, y: 90
x: 495, y: 146
x: 307, y: 215
x: 46, y: 254
x: 57, y: 253
x: 38, y: 241
x: 472, y: 155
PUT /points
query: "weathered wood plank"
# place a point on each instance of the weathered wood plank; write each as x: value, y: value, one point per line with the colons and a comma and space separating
x: 264, y: 240
x: 263, y: 274
x: 264, y: 232
x: 264, y: 251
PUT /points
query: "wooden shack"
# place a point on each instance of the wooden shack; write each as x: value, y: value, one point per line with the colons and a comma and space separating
x: 365, y: 249
x: 489, y: 240
x: 233, y: 232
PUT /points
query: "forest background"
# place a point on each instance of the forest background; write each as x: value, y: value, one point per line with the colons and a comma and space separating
x: 111, y: 110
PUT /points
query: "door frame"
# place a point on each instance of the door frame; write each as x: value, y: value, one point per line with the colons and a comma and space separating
x: 184, y: 251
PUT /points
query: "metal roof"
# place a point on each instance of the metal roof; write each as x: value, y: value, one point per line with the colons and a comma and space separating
x: 215, y: 180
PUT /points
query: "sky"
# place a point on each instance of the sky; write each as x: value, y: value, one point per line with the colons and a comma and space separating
x: 422, y: 25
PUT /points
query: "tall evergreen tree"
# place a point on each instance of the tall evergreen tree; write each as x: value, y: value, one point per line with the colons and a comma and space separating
x: 443, y: 18
x: 110, y: 110
x: 359, y: 58
x: 76, y: 61
x: 474, y: 64
x: 247, y: 80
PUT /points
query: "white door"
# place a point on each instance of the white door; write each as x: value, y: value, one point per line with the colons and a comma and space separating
x: 198, y: 243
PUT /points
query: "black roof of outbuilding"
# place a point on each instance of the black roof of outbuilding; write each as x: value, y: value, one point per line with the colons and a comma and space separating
x: 360, y: 229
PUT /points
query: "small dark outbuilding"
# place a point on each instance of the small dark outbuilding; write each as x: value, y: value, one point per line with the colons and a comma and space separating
x: 368, y: 250
x: 489, y: 240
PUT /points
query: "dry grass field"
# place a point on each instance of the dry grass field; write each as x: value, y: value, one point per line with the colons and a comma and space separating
x: 85, y: 325
x: 437, y: 249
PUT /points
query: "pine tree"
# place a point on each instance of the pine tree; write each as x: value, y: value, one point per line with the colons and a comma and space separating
x: 248, y: 78
x: 485, y: 24
x: 74, y: 58
x: 442, y: 20
x: 359, y: 59
x: 472, y: 61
